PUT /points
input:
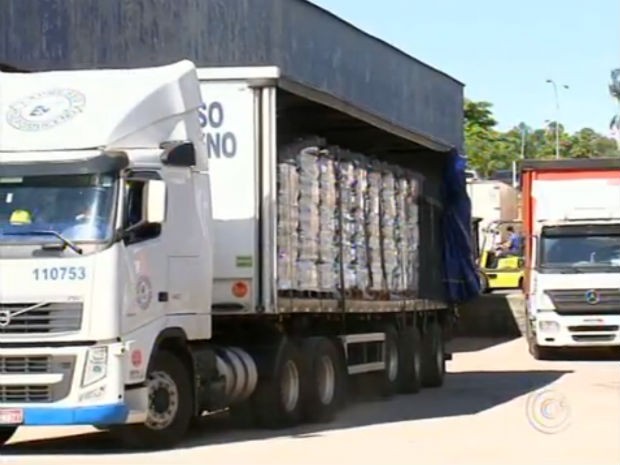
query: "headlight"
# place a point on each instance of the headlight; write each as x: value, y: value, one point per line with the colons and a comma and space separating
x: 95, y: 366
x: 548, y: 326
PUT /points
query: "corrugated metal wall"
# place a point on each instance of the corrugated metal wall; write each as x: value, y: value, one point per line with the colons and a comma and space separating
x: 310, y: 45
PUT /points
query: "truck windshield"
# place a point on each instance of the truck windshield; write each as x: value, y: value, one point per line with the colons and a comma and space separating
x: 581, y: 252
x: 78, y: 207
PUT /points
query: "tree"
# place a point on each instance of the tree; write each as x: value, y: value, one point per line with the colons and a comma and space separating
x: 489, y: 150
x: 614, y: 90
x: 479, y: 114
x: 481, y: 139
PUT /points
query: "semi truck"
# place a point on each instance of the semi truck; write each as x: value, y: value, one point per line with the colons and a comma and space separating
x: 571, y: 211
x: 170, y: 248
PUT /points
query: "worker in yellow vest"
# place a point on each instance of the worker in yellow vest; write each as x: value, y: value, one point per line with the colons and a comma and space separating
x: 20, y: 217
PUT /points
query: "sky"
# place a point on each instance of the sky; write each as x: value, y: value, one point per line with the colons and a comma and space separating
x: 505, y: 51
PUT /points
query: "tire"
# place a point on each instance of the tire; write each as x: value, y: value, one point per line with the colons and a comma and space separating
x: 6, y: 433
x: 279, y: 396
x: 325, y: 385
x: 540, y: 353
x: 170, y: 407
x: 433, y: 357
x: 391, y: 376
x: 410, y: 356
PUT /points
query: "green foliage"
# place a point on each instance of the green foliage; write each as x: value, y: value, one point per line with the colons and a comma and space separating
x: 489, y: 149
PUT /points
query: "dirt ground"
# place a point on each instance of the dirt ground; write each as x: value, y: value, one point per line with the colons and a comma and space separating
x: 498, y: 406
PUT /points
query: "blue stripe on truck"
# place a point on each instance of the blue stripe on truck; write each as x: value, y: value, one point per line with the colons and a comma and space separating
x: 97, y: 415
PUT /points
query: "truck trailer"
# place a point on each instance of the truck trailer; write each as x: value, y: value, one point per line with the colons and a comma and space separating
x: 170, y: 247
x: 571, y: 211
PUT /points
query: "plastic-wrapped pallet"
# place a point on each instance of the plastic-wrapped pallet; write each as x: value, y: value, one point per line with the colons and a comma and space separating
x: 373, y: 228
x: 346, y: 189
x: 308, y: 254
x: 328, y: 222
x: 359, y: 240
x: 400, y: 231
x: 388, y: 226
x: 413, y: 234
x: 288, y: 221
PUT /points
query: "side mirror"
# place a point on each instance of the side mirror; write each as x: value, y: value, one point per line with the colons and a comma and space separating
x: 155, y: 201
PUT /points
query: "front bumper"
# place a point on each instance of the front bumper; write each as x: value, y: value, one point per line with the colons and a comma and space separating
x: 108, y: 414
x: 555, y: 330
x: 47, y: 386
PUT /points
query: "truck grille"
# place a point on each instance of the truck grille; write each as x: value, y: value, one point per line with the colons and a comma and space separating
x: 586, y: 301
x: 24, y: 365
x: 36, y: 365
x: 45, y: 319
x: 17, y: 394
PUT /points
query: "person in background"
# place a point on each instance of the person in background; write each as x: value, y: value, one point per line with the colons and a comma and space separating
x: 514, y: 244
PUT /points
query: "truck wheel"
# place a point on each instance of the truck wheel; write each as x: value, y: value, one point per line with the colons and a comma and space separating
x: 280, y: 394
x: 324, y: 379
x: 410, y: 356
x: 170, y: 406
x: 433, y: 357
x: 391, y: 376
x: 6, y: 433
x: 538, y: 352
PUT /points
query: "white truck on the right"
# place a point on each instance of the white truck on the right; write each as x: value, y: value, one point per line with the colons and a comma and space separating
x: 571, y: 213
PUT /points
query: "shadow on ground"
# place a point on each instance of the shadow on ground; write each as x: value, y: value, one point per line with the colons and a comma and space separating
x: 463, y: 394
x: 497, y: 315
x: 475, y: 344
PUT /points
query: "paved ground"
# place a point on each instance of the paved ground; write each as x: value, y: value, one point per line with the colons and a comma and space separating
x: 493, y: 402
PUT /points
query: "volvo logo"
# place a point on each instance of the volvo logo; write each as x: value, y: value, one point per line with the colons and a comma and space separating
x: 5, y: 318
x: 592, y: 297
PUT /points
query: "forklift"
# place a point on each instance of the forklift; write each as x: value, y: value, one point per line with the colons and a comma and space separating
x: 496, y: 272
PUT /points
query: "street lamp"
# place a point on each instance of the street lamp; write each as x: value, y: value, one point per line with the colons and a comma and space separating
x: 523, y: 131
x: 557, y: 117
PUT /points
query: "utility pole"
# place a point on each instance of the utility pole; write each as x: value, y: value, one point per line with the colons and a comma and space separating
x: 557, y: 115
x: 523, y: 131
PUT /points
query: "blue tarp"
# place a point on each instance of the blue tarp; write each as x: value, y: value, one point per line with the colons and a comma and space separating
x: 460, y: 274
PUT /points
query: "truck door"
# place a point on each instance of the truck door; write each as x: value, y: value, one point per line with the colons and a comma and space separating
x: 146, y: 260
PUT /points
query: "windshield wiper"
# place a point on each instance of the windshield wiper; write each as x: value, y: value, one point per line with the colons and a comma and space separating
x: 66, y: 242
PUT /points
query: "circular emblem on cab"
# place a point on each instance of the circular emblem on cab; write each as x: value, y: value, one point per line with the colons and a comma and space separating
x: 45, y: 110
x: 592, y: 297
x: 144, y: 292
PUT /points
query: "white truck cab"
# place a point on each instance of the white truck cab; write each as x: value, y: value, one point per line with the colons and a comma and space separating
x: 91, y: 163
x: 572, y: 211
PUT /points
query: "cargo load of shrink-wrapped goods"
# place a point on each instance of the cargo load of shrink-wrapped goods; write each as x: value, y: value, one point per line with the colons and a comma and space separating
x: 288, y: 221
x: 345, y: 222
x: 329, y: 212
